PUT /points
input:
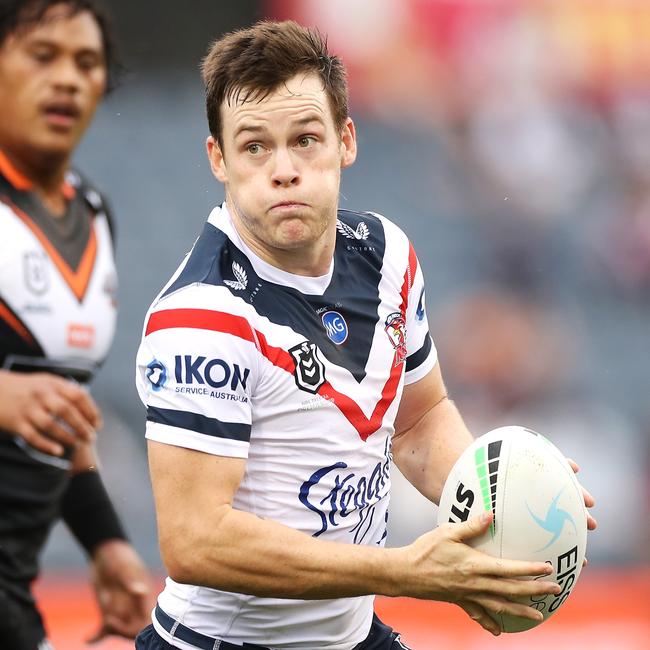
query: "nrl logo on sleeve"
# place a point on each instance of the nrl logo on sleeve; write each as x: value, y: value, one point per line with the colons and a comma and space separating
x: 310, y: 371
x: 241, y: 281
x: 361, y: 233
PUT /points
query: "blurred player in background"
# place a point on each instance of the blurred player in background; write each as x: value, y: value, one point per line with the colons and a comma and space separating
x: 283, y: 366
x: 57, y: 315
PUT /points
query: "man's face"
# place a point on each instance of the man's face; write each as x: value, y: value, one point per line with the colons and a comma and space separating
x: 52, y: 77
x: 281, y: 164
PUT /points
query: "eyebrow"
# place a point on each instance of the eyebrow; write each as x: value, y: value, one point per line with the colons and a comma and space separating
x: 256, y: 129
x: 46, y: 42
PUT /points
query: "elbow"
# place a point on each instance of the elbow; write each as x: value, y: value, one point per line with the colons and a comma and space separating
x: 192, y: 550
x: 179, y: 559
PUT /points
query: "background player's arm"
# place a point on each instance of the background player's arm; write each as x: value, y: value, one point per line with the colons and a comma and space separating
x: 46, y: 411
x: 119, y: 577
x: 429, y: 434
x: 205, y: 541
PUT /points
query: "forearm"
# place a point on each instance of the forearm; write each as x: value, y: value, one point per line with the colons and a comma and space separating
x: 243, y: 553
x: 86, y: 507
x: 426, y: 452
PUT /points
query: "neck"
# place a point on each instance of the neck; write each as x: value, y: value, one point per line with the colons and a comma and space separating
x: 312, y: 260
x: 43, y: 174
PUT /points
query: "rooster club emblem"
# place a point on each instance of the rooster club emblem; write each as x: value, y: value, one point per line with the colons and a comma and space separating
x: 361, y: 233
x: 396, y: 329
x: 310, y: 371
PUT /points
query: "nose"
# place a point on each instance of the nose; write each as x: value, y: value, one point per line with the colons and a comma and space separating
x: 66, y: 74
x: 284, y: 170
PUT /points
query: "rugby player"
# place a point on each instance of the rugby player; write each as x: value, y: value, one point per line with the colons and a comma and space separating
x: 57, y: 315
x: 283, y: 366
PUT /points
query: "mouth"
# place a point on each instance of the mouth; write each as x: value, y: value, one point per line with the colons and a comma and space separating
x: 287, y: 206
x: 61, y: 115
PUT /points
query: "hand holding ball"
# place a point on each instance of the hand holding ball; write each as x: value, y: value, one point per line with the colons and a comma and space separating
x: 538, y: 507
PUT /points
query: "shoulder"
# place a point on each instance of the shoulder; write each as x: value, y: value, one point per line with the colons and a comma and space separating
x: 92, y: 197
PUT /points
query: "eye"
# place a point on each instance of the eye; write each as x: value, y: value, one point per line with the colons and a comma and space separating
x: 42, y: 54
x: 88, y: 61
x: 254, y: 148
x: 306, y: 141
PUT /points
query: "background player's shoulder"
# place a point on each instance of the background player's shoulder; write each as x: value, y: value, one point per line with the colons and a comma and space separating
x: 93, y: 197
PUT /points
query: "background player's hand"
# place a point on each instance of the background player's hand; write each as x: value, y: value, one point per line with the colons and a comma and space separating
x: 442, y: 567
x: 122, y: 589
x: 46, y: 411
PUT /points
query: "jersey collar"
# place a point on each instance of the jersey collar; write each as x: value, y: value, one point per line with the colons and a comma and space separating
x: 315, y: 286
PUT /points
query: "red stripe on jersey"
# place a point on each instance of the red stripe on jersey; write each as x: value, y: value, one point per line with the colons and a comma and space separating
x: 353, y: 413
x: 218, y: 321
x: 200, y: 319
x: 411, y: 270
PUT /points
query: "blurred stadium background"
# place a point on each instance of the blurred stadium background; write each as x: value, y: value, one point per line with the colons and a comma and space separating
x: 511, y: 140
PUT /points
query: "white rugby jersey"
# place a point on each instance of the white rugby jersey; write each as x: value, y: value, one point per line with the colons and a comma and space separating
x: 55, y: 315
x: 302, y: 376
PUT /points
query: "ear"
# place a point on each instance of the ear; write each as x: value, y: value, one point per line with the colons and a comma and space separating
x: 348, y: 144
x: 217, y: 161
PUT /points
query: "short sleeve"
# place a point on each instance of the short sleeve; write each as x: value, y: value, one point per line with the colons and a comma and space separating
x: 421, y: 351
x: 196, y: 372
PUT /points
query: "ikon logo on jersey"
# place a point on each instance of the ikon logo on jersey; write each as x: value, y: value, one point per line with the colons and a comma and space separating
x: 335, y: 327
x: 310, y: 371
x: 216, y: 373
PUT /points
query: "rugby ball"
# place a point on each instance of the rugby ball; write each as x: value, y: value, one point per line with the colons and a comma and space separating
x: 538, y: 506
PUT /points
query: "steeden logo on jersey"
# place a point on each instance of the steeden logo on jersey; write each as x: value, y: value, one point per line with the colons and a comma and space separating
x: 334, y: 493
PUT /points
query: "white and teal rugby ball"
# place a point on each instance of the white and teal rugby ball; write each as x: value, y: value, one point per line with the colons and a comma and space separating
x: 538, y: 506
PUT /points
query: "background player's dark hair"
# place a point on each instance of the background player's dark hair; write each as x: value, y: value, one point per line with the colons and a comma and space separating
x: 249, y: 64
x: 16, y: 15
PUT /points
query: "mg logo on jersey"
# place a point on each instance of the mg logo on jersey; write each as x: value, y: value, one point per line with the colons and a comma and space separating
x: 215, y: 372
x: 395, y: 327
x: 310, y: 371
x: 335, y: 327
x: 35, y: 270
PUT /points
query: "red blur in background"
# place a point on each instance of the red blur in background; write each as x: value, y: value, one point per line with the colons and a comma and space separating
x: 607, y: 610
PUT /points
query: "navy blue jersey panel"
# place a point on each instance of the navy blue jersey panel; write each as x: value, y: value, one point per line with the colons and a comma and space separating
x: 353, y: 293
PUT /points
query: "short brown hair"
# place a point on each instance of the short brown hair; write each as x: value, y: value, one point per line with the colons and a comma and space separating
x: 249, y: 64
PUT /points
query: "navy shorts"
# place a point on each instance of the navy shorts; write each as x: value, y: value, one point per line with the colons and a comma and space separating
x: 381, y: 637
